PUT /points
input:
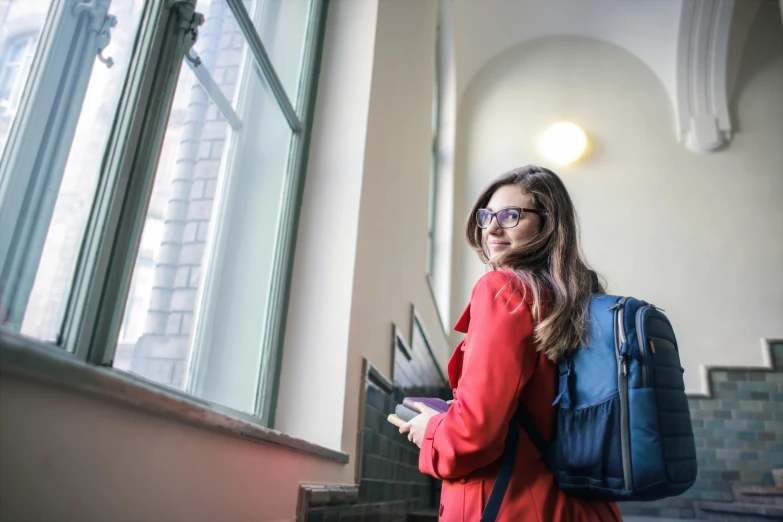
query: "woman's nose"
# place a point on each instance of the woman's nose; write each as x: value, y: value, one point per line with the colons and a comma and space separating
x: 493, y: 227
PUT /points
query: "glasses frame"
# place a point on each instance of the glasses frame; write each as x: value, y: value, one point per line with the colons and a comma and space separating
x: 493, y: 215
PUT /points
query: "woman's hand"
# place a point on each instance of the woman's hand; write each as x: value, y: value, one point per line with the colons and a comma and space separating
x: 416, y: 427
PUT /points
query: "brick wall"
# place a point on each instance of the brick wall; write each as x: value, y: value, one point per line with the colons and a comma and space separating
x: 390, y: 484
x: 739, y: 437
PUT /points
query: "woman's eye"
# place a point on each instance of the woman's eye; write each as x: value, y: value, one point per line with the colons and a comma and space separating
x: 512, y: 216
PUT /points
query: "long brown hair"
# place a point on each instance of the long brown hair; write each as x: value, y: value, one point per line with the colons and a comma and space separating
x: 551, y: 264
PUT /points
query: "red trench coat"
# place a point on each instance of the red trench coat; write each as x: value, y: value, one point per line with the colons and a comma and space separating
x: 490, y: 370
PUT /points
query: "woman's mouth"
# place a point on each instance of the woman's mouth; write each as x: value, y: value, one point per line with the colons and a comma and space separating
x: 498, y: 244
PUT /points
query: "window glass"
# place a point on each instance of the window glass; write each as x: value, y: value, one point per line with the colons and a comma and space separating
x: 48, y: 242
x: 16, y: 56
x: 202, y: 283
x: 282, y: 26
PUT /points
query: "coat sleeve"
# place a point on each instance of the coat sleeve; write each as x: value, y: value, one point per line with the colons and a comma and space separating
x: 500, y: 356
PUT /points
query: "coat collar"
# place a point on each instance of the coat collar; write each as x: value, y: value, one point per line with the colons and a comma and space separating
x: 464, y: 321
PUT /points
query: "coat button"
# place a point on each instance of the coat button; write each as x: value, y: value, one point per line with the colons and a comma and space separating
x: 440, y: 511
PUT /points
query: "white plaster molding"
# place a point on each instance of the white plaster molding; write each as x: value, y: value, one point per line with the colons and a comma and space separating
x: 702, y: 103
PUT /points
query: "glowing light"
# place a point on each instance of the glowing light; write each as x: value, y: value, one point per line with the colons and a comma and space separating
x: 563, y: 142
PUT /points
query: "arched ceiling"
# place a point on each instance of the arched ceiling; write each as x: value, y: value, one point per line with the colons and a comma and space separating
x: 684, y: 42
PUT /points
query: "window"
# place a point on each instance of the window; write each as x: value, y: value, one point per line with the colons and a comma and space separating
x: 159, y: 238
x: 441, y: 223
x: 55, y: 150
x: 434, y: 152
x: 16, y: 57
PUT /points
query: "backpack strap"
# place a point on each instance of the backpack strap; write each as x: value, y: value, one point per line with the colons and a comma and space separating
x: 509, y: 457
x: 507, y: 461
x: 521, y: 417
x: 534, y: 433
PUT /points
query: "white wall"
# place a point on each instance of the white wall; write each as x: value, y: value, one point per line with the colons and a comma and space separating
x: 699, y: 235
x: 361, y: 254
x: 316, y: 340
x: 391, y: 258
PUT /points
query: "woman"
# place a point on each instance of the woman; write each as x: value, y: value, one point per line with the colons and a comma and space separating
x: 523, y: 317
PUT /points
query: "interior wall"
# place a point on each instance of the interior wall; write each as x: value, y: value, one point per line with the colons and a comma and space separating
x: 315, y: 351
x: 697, y: 234
x: 391, y: 253
x: 67, y: 457
x: 362, y: 242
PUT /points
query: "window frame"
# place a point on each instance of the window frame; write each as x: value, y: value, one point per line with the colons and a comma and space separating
x: 42, y: 132
x: 434, y: 162
x: 96, y: 305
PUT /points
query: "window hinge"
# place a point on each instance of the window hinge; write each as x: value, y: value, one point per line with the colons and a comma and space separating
x: 101, y: 23
x: 189, y: 22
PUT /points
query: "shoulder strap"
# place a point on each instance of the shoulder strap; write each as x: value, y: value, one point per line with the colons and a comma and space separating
x: 521, y: 417
x: 509, y: 457
x: 507, y: 461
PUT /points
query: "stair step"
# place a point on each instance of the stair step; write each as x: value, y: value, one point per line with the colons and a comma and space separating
x: 736, y: 511
x: 765, y: 495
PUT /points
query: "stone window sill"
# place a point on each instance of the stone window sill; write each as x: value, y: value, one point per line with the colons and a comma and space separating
x: 33, y: 359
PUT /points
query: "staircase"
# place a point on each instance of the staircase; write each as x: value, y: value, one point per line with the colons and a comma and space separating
x: 751, y: 503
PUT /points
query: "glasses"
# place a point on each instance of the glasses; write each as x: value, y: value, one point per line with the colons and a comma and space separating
x: 507, y: 217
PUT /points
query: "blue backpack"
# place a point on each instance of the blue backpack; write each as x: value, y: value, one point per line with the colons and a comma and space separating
x: 623, y: 424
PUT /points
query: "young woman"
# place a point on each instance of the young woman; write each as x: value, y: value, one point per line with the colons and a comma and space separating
x: 523, y: 317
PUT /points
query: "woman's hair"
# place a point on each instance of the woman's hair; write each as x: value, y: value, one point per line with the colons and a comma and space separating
x: 550, y: 264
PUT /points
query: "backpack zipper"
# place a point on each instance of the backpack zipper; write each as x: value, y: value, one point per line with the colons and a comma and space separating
x: 622, y: 388
x: 642, y: 344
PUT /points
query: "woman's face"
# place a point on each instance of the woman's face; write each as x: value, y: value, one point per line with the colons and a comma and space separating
x: 498, y: 239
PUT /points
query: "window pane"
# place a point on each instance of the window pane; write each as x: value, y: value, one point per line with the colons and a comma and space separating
x: 282, y: 26
x: 202, y: 288
x: 22, y: 23
x: 73, y: 188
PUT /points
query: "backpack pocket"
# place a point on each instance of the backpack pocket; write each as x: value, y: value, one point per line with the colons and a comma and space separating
x: 588, y: 445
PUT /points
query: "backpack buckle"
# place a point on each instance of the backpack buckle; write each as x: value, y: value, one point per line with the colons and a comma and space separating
x: 564, y: 385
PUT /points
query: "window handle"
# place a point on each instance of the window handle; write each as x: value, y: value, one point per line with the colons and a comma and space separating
x: 104, y: 37
x: 101, y: 23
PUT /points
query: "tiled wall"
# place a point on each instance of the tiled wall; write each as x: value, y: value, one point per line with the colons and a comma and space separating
x: 739, y: 437
x: 390, y: 484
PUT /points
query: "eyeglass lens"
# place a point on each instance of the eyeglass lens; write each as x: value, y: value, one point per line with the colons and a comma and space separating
x: 507, y: 217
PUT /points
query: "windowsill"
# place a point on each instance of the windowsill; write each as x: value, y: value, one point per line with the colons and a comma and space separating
x: 37, y: 360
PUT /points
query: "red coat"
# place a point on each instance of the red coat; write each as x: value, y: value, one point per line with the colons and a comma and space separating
x: 490, y: 370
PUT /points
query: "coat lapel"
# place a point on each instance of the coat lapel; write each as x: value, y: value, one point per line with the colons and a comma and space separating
x: 455, y: 363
